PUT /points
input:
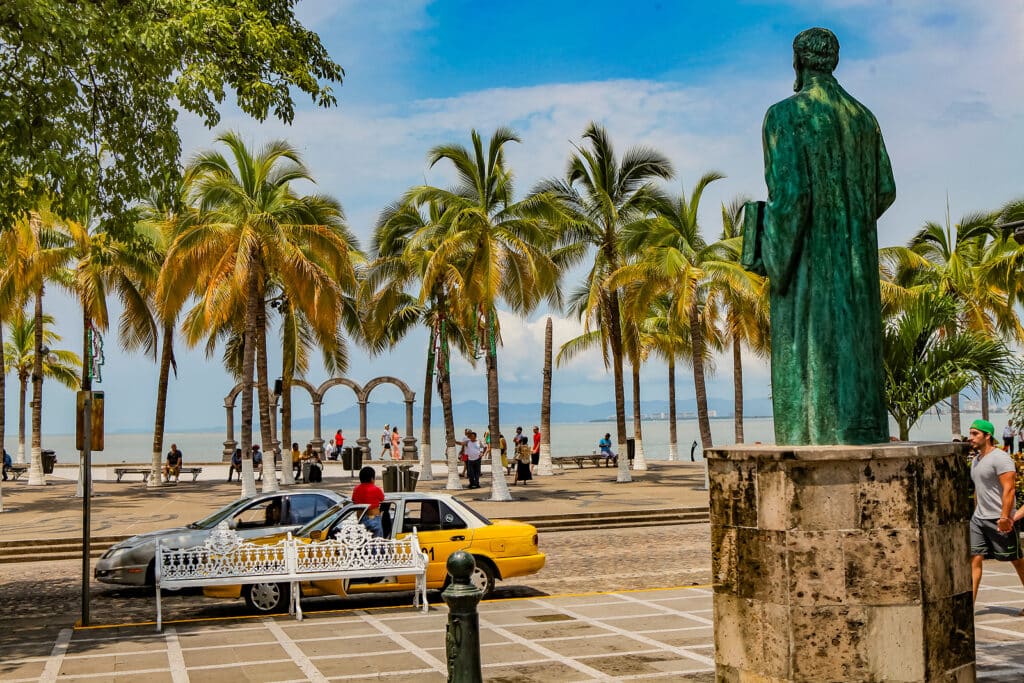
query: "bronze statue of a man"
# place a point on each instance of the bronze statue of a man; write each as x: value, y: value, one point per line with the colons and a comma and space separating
x: 829, y: 179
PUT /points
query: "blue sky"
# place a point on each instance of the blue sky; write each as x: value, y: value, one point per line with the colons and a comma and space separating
x: 690, y: 79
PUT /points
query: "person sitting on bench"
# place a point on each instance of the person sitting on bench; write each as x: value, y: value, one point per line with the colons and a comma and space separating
x: 174, y: 461
x: 236, y: 464
x: 605, y: 445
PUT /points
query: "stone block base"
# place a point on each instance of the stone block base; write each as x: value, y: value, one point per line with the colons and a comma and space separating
x: 841, y: 563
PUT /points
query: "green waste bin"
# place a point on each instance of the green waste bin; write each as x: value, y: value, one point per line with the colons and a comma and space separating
x: 409, y: 479
x: 49, y: 458
x: 390, y: 478
x: 352, y: 458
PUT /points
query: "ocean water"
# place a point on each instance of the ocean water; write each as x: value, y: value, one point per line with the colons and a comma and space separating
x: 566, y: 438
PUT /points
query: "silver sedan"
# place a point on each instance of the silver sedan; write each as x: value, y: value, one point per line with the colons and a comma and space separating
x: 130, y: 562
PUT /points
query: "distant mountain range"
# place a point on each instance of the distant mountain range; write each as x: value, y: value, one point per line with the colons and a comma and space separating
x: 475, y: 413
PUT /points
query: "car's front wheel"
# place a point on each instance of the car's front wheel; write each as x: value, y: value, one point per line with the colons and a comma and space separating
x: 266, y: 598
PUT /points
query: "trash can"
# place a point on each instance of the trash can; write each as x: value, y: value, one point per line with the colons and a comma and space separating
x: 352, y: 457
x: 390, y: 478
x: 49, y: 458
x: 630, y: 449
x: 409, y: 479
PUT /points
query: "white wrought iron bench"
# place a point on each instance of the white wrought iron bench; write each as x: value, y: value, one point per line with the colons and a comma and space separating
x: 595, y: 458
x: 144, y: 471
x: 225, y: 559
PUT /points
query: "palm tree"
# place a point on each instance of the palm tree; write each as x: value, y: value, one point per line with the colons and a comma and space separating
x: 502, y: 251
x: 163, y: 215
x: 253, y: 229
x: 965, y: 263
x: 104, y: 264
x: 745, y: 303
x: 674, y: 258
x: 394, y: 300
x: 19, y: 357
x: 925, y: 362
x: 544, y: 465
x: 669, y: 340
x: 599, y: 196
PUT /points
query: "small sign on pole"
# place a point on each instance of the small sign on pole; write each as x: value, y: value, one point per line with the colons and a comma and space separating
x: 96, y: 421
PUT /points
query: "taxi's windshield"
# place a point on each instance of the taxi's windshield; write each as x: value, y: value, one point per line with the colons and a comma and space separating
x: 322, y: 521
x: 214, y: 519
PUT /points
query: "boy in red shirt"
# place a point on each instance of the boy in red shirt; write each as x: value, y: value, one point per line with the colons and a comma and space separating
x: 368, y: 493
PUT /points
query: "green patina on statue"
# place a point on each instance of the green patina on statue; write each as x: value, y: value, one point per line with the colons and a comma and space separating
x: 829, y: 179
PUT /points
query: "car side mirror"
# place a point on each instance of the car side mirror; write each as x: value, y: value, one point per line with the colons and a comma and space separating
x: 316, y: 535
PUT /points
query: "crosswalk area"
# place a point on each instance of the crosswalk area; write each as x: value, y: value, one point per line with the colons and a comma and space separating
x: 650, y: 635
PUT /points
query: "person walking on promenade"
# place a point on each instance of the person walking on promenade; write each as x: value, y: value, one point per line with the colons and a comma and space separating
x: 385, y: 442
x: 471, y: 449
x: 339, y: 445
x: 605, y: 445
x: 535, y: 452
x: 992, y: 532
x: 1008, y: 433
x: 173, y: 466
x: 396, y: 444
x: 523, y: 463
x: 368, y: 493
x: 236, y: 465
x: 503, y: 446
x: 8, y: 463
x: 296, y: 455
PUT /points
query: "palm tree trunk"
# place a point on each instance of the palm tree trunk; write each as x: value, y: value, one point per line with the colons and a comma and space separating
x: 639, y: 461
x: 166, y: 358
x: 737, y: 389
x: 426, y: 473
x: 499, y: 487
x: 3, y: 405
x: 954, y: 414
x: 615, y: 341
x: 287, y: 372
x: 252, y: 305
x: 673, y: 436
x: 984, y: 399
x: 35, y: 467
x: 22, y: 395
x: 544, y: 466
x: 700, y: 388
x: 263, y: 389
x: 445, y: 386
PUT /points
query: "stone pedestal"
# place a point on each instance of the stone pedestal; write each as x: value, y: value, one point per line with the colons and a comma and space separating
x: 841, y: 563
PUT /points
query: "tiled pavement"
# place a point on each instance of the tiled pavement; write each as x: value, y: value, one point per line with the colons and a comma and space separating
x: 653, y: 635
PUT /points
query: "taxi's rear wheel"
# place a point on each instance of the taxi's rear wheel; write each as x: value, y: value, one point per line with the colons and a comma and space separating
x: 483, y: 576
x: 265, y: 598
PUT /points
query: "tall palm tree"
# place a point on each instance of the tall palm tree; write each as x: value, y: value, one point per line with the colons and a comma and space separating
x: 669, y: 340
x: 966, y: 263
x: 502, y: 250
x: 674, y: 258
x: 254, y: 229
x: 600, y: 195
x: 103, y: 264
x: 745, y: 303
x: 544, y: 465
x: 19, y: 357
x: 394, y: 299
x: 163, y: 215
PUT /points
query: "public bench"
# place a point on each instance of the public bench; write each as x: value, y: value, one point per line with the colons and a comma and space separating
x: 17, y: 470
x: 595, y: 458
x: 225, y: 559
x: 144, y: 471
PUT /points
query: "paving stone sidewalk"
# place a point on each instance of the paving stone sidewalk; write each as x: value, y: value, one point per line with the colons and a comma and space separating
x: 653, y: 635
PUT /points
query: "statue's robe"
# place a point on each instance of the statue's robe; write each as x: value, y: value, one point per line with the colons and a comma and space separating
x: 829, y: 179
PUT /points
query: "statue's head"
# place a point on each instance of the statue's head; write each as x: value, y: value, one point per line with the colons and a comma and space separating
x: 814, y: 50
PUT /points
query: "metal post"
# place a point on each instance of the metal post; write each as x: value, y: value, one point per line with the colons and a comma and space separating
x: 86, y: 499
x: 462, y: 636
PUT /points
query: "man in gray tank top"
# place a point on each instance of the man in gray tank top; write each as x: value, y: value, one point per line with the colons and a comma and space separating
x: 992, y: 524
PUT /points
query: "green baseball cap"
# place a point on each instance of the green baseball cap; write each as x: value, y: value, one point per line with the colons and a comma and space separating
x: 984, y: 426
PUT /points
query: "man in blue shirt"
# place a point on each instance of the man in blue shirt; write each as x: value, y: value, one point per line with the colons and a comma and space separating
x: 7, y: 463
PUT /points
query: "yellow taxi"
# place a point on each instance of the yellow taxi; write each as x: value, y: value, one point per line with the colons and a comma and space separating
x: 503, y: 549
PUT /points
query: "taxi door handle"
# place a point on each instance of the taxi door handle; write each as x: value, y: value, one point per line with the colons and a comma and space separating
x: 457, y: 538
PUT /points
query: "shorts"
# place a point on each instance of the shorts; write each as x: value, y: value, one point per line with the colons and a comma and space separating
x: 987, y: 540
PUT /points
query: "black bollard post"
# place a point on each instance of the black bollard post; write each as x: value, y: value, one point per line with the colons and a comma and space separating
x: 462, y: 637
